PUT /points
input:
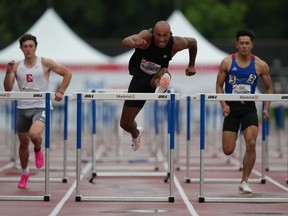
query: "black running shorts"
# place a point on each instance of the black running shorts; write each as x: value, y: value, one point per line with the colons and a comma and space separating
x: 139, y: 84
x: 244, y: 114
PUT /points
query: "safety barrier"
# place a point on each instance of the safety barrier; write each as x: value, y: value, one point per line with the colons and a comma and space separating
x: 234, y: 97
x: 47, y: 98
x: 125, y: 96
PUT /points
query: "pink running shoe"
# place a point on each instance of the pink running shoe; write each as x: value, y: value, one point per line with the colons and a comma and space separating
x: 23, y: 181
x: 136, y: 142
x: 39, y: 159
x: 164, y: 83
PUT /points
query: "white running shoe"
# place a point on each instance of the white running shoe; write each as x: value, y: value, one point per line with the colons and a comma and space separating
x: 245, y: 188
x: 163, y: 84
x: 136, y: 142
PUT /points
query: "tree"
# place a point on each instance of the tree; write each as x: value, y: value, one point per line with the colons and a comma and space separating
x: 110, y: 19
x: 216, y: 19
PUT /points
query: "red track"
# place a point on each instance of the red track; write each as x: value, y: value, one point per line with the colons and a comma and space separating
x: 186, y: 194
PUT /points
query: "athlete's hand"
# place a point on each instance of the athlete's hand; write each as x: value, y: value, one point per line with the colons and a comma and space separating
x: 190, y: 71
x: 140, y: 42
x: 265, y: 114
x: 58, y: 96
x: 226, y: 111
x: 10, y: 66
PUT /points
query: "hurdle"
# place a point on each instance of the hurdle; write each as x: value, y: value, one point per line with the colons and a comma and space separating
x: 178, y: 129
x: 13, y: 148
x: 119, y: 157
x: 157, y: 133
x: 65, y: 137
x: 187, y: 178
x: 189, y: 99
x: 279, y: 142
x: 12, y: 137
x: 233, y: 97
x: 10, y: 126
x: 65, y: 146
x: 124, y: 96
x: 161, y: 127
x: 47, y: 98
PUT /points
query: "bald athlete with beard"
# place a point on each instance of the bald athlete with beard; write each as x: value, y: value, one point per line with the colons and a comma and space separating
x: 154, y: 49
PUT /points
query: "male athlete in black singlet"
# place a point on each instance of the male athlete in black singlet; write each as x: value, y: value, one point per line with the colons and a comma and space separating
x: 154, y: 48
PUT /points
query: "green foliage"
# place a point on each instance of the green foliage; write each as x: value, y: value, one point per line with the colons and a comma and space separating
x: 112, y: 18
x: 216, y: 19
x: 17, y: 17
x: 268, y: 18
x: 104, y: 19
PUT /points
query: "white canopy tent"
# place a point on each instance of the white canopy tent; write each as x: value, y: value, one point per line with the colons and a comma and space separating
x: 57, y: 41
x: 208, y: 54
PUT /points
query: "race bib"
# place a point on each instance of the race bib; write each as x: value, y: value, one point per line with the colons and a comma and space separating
x: 149, y: 67
x: 241, y: 89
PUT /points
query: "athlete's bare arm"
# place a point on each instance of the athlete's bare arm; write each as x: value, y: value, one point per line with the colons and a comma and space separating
x: 48, y: 66
x: 10, y: 75
x: 224, y: 67
x: 181, y: 43
x: 262, y: 70
x: 141, y: 40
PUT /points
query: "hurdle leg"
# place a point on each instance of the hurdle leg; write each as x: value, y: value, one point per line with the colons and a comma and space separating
x: 287, y: 165
x: 78, y: 146
x: 14, y: 134
x: 188, y: 140
x: 65, y: 135
x: 93, y: 149
x: 202, y: 147
x: 264, y: 147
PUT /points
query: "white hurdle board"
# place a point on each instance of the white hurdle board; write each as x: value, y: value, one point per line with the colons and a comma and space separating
x: 81, y: 96
x: 234, y: 97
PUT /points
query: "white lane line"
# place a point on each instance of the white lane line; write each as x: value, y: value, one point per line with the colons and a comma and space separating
x: 60, y: 204
x: 7, y: 166
x: 185, y: 198
x: 182, y: 193
x: 256, y: 172
x: 271, y: 180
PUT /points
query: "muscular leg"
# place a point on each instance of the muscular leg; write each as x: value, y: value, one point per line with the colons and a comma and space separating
x: 35, y: 133
x: 127, y: 120
x: 229, y: 142
x: 23, y: 149
x: 250, y: 136
x: 24, y: 138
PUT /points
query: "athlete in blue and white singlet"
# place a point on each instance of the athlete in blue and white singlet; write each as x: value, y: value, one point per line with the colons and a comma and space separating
x: 239, y: 73
x: 241, y: 80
